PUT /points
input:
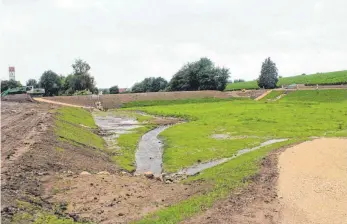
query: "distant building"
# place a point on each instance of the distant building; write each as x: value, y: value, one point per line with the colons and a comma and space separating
x: 122, y: 90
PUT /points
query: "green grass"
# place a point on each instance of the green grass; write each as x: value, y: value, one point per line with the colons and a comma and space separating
x: 331, y: 78
x: 75, y: 125
x: 224, y: 179
x: 77, y: 116
x: 327, y: 96
x: 293, y: 118
x: 258, y: 121
x: 147, y: 103
x: 127, y: 143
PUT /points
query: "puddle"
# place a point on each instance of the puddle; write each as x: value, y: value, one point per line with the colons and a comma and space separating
x: 150, y: 152
x: 202, y: 166
x: 112, y: 127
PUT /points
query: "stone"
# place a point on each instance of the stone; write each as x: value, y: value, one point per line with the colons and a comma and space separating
x: 85, y: 173
x: 103, y: 173
x: 149, y: 174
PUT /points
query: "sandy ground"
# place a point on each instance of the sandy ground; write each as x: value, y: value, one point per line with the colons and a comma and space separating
x: 305, y: 183
x: 312, y: 184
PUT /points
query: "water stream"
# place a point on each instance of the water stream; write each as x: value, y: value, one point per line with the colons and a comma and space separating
x: 149, y: 156
x: 202, y: 166
x: 150, y: 149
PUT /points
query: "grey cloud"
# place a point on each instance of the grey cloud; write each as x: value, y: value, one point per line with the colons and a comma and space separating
x: 126, y: 41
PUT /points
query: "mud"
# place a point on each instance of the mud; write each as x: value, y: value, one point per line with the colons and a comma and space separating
x: 195, y: 169
x: 149, y: 156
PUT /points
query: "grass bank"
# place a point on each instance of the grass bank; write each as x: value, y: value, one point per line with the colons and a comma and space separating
x: 77, y: 126
x: 246, y: 123
x: 328, y: 78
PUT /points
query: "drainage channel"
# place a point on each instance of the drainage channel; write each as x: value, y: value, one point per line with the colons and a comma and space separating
x: 195, y: 169
x: 149, y: 154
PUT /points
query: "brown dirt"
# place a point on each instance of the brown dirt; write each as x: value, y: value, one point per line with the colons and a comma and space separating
x: 116, y: 100
x: 302, y: 184
x: 34, y: 171
x: 117, y: 198
x: 312, y: 184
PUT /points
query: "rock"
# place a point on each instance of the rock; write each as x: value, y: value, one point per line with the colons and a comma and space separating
x: 103, y: 173
x: 120, y: 214
x: 168, y: 182
x: 123, y: 173
x: 85, y: 173
x: 149, y: 174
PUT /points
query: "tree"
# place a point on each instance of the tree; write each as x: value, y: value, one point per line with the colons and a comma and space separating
x: 268, y: 75
x: 32, y: 82
x: 239, y: 80
x: 114, y: 90
x: 200, y: 75
x: 150, y: 84
x: 80, y: 67
x: 51, y: 82
x: 9, y: 84
x: 80, y: 79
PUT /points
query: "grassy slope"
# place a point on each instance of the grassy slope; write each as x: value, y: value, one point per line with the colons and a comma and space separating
x: 320, y: 78
x: 257, y: 120
x: 290, y: 118
x: 76, y: 125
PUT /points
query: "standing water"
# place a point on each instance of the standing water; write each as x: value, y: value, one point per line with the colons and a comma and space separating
x: 149, y: 156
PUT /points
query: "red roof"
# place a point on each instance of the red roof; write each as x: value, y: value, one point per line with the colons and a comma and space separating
x: 122, y: 90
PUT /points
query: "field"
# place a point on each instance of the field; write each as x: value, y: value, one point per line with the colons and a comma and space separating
x: 329, y: 78
x: 44, y: 181
x: 299, y: 116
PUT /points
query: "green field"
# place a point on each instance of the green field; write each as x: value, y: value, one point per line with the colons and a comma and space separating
x: 329, y: 78
x: 298, y: 116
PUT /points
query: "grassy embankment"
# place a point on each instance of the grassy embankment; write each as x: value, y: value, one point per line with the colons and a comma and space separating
x: 297, y: 116
x: 329, y: 78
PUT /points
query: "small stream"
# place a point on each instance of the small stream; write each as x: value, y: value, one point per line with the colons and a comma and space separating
x: 150, y: 149
x: 149, y: 156
x: 202, y: 166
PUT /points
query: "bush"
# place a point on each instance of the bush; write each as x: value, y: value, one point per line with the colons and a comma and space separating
x: 114, y: 90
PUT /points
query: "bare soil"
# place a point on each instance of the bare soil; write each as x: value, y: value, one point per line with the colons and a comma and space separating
x: 312, y: 184
x: 305, y: 183
x: 116, y: 100
x: 116, y: 198
x: 35, y: 171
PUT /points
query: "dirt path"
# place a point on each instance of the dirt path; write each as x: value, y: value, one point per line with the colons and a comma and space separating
x: 58, y: 103
x: 312, y: 184
x: 263, y: 95
x: 305, y: 183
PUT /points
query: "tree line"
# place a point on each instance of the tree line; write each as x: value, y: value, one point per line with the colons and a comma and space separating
x: 79, y: 82
x: 197, y: 75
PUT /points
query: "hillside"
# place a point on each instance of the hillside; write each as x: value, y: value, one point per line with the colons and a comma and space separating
x: 338, y: 77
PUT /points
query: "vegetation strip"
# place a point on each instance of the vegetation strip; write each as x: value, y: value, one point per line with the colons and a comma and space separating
x: 329, y: 78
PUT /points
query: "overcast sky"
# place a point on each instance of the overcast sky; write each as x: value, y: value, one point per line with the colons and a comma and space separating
x: 125, y: 41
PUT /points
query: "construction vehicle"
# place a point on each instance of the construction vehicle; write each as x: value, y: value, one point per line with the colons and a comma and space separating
x: 24, y: 89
